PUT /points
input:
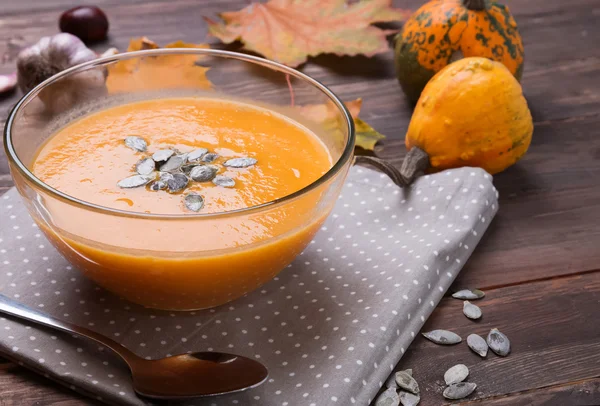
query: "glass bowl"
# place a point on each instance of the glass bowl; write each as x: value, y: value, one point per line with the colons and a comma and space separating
x: 183, y: 261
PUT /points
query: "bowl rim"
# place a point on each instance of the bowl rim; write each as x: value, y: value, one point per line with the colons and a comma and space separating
x: 346, y: 155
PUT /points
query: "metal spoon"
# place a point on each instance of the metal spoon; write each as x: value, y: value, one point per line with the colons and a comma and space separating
x: 177, y: 377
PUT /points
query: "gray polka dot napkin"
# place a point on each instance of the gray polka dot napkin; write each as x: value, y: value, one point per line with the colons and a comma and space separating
x: 330, y: 328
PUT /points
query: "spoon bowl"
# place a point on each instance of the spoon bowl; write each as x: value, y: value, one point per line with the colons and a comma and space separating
x: 182, y: 376
x: 206, y: 373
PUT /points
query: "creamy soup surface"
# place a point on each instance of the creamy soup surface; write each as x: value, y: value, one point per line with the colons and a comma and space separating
x: 88, y: 158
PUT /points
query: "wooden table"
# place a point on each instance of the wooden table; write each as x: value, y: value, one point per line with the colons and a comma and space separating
x: 539, y: 262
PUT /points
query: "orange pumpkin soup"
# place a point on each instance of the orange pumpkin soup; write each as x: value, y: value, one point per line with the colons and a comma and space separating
x: 247, y: 156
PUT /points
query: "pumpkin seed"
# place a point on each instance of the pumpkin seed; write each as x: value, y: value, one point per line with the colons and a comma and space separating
x: 196, y: 154
x: 389, y: 397
x: 407, y: 382
x: 471, y: 311
x: 456, y: 374
x: 477, y: 344
x: 177, y: 182
x: 459, y: 390
x: 469, y: 294
x: 498, y: 342
x: 173, y: 164
x: 162, y: 155
x: 136, y: 143
x: 194, y: 202
x: 135, y: 181
x: 165, y: 176
x: 209, y: 157
x: 203, y: 173
x: 145, y: 166
x: 391, y: 381
x: 408, y: 399
x: 224, y: 181
x: 443, y: 337
x: 158, y: 185
x: 240, y: 162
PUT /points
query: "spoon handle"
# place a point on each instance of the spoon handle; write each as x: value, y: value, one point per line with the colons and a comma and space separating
x: 16, y: 309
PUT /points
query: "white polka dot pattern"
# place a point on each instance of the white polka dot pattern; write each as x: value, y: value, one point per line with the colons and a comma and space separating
x: 330, y: 327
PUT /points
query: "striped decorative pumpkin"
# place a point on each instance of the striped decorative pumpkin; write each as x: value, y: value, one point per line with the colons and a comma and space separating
x: 445, y: 30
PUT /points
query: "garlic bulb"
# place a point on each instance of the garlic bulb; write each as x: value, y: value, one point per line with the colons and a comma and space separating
x: 52, y: 55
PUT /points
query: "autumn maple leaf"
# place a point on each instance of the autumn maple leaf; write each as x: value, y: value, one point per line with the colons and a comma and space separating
x: 157, y: 72
x: 288, y: 31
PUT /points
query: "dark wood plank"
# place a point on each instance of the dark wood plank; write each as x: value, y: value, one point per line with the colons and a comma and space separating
x: 552, y: 327
x: 21, y: 387
x: 584, y: 393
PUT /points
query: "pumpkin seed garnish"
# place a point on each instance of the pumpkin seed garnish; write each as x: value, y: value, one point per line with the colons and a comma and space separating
x: 407, y: 382
x: 145, y: 166
x: 389, y: 397
x: 408, y: 399
x: 459, y: 390
x: 224, y: 181
x: 209, y: 157
x: 173, y: 164
x: 158, y: 185
x: 203, y: 173
x: 196, y: 154
x: 498, y: 342
x: 136, y: 143
x: 456, y: 374
x: 135, y: 181
x: 193, y: 201
x: 477, y: 344
x: 471, y: 311
x: 177, y: 182
x: 469, y: 294
x: 240, y: 162
x: 162, y: 155
x: 443, y: 337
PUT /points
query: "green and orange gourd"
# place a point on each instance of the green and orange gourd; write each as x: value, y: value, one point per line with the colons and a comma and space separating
x: 442, y: 31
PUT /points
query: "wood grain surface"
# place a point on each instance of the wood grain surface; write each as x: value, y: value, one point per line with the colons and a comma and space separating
x: 540, y: 259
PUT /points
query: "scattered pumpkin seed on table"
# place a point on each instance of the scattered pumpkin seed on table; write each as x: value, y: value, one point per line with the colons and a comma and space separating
x: 388, y: 397
x: 408, y: 399
x: 443, y: 337
x: 407, y: 382
x: 456, y: 374
x: 477, y: 344
x: 498, y: 342
x: 471, y: 311
x: 459, y: 390
x: 469, y: 294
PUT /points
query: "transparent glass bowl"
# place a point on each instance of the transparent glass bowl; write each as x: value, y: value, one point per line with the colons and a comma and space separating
x: 187, y: 261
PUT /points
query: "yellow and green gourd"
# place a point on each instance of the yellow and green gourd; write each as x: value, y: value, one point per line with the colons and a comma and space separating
x: 445, y: 30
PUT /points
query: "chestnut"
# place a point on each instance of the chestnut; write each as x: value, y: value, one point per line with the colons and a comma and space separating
x: 88, y: 23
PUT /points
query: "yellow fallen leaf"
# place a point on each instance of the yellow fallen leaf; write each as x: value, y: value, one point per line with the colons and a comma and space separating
x: 288, y: 31
x: 327, y: 115
x: 157, y: 72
